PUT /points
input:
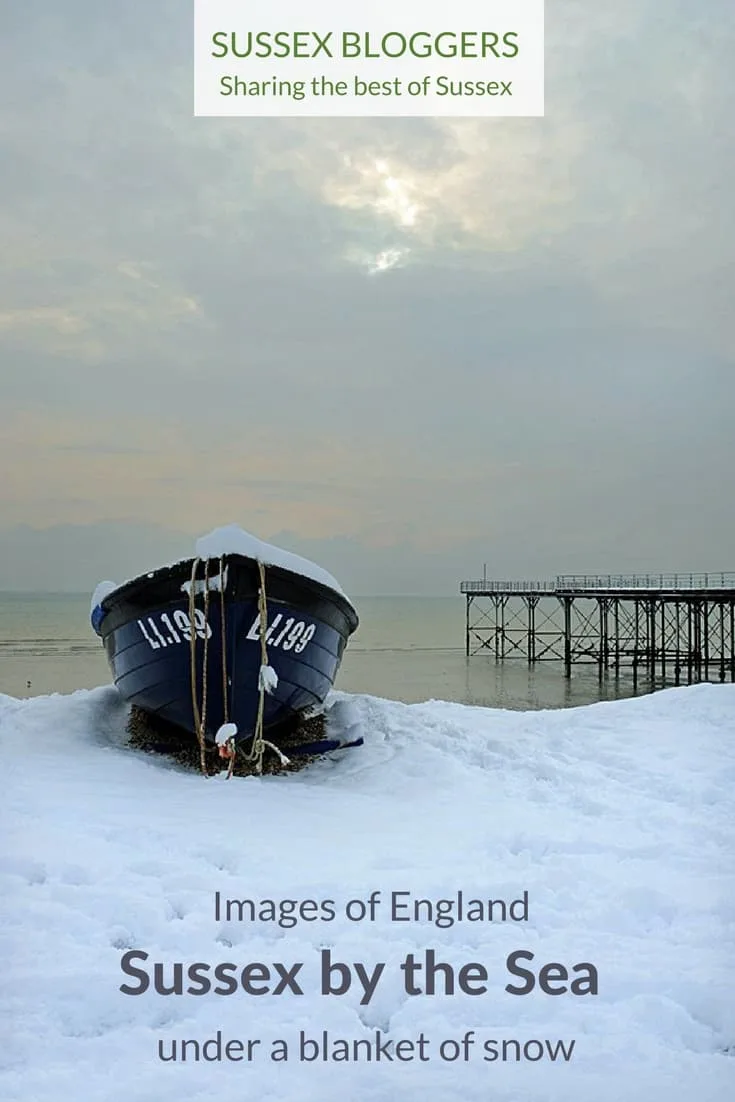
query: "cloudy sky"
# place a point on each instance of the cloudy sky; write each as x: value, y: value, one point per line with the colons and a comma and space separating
x: 402, y: 347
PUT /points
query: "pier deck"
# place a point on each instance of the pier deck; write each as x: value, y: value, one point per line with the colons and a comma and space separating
x: 673, y: 626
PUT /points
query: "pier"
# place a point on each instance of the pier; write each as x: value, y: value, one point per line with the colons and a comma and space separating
x: 679, y: 628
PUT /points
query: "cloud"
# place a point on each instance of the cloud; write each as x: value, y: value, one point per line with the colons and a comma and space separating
x: 420, y: 334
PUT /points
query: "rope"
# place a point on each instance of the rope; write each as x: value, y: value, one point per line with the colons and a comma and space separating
x: 223, y: 642
x: 197, y: 715
x: 257, y: 750
x: 228, y: 750
x: 205, y: 656
x: 258, y: 742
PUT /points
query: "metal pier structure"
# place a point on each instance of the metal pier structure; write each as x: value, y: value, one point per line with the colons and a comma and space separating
x: 673, y: 627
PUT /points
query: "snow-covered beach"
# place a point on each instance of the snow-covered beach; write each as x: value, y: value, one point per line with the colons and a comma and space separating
x: 617, y: 820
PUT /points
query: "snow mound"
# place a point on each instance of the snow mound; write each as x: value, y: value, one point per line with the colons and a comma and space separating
x: 101, y: 590
x: 233, y: 540
x: 615, y: 819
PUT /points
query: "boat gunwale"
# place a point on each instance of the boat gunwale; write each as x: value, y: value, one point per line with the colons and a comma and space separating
x: 182, y: 571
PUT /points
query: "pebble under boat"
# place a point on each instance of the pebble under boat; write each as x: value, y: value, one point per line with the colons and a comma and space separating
x: 184, y: 642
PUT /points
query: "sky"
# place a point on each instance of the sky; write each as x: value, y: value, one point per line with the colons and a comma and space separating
x: 404, y: 348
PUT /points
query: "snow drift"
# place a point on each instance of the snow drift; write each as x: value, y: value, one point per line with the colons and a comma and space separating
x: 616, y: 820
x: 233, y: 540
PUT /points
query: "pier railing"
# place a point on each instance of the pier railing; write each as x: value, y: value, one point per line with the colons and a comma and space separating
x: 508, y: 587
x: 669, y: 582
x: 590, y: 583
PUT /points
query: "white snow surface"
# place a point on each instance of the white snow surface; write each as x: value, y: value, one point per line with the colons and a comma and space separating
x: 618, y: 820
x: 101, y: 590
x: 215, y: 583
x: 233, y: 540
x: 226, y: 732
x: 267, y: 679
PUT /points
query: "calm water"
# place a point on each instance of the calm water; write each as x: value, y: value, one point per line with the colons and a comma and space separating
x: 406, y: 648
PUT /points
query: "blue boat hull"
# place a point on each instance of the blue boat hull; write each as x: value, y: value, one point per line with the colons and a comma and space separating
x: 147, y: 631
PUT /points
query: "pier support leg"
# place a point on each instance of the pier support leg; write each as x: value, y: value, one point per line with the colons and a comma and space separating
x: 531, y: 624
x: 677, y: 645
x: 603, y: 651
x: 567, y: 604
x: 697, y: 652
x: 651, y: 618
x: 503, y: 639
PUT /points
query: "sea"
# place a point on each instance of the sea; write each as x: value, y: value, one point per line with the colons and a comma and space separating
x: 409, y: 649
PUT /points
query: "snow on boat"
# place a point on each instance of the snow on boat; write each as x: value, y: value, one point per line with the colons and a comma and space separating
x: 185, y: 645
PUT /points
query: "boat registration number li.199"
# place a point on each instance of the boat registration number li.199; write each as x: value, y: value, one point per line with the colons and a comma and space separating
x: 286, y: 633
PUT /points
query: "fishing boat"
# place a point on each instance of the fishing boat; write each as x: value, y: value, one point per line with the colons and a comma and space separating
x: 231, y: 644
